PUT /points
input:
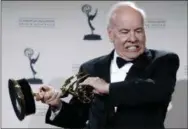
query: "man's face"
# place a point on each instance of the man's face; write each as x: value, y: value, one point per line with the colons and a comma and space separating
x: 127, y: 34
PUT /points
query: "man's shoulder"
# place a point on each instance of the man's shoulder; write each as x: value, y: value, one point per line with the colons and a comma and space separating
x: 94, y: 60
x: 157, y: 54
x: 164, y: 57
x: 89, y: 65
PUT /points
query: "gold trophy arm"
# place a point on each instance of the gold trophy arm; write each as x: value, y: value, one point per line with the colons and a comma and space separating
x: 71, y: 86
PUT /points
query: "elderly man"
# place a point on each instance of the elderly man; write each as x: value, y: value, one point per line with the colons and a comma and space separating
x: 133, y: 85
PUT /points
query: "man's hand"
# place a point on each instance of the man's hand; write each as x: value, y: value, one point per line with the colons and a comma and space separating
x: 49, y: 95
x: 100, y: 86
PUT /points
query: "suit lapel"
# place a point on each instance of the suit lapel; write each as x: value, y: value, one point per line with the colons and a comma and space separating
x: 139, y: 65
x: 103, y: 67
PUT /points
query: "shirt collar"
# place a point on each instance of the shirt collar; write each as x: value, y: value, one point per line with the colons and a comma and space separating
x: 115, y: 55
x: 114, y: 64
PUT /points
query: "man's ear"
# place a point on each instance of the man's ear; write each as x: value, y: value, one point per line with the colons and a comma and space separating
x: 110, y: 34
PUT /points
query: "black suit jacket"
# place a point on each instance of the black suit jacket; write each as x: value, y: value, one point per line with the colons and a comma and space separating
x: 142, y: 98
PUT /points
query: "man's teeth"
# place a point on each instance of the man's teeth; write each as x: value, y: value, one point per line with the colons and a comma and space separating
x: 132, y: 48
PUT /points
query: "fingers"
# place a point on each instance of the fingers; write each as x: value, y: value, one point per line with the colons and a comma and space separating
x: 48, y: 94
x: 44, y: 88
x: 96, y: 92
x: 56, y: 95
x: 89, y: 81
x: 45, y: 93
x: 85, y: 82
x: 55, y: 100
x: 39, y: 96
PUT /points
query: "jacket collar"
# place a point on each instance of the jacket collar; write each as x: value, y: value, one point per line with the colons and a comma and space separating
x: 103, y: 65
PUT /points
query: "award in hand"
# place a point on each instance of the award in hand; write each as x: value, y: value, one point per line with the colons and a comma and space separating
x: 22, y: 96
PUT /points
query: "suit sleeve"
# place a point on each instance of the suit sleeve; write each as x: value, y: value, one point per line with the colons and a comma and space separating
x: 72, y: 115
x: 156, y: 89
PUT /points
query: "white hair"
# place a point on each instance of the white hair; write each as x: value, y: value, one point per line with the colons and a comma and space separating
x: 124, y: 3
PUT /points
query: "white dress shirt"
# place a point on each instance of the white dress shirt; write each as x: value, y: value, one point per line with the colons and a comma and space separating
x: 118, y: 74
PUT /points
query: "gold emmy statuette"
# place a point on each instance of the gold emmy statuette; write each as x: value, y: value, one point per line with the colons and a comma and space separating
x: 22, y: 96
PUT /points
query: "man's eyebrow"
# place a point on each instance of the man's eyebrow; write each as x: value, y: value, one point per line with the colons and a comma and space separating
x: 124, y: 29
x: 139, y: 28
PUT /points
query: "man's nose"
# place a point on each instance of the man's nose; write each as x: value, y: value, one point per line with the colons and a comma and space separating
x: 132, y: 37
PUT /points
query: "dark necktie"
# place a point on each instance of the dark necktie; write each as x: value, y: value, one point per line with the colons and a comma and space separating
x: 121, y: 62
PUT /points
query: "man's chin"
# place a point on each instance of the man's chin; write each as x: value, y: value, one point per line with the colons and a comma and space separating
x: 133, y: 56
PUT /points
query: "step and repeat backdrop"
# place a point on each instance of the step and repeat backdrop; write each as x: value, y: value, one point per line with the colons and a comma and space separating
x: 46, y: 41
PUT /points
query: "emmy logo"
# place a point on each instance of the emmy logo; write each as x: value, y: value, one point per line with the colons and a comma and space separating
x: 87, y: 9
x: 29, y: 53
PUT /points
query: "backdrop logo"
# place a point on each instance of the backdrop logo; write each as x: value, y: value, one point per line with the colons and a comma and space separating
x: 37, y: 22
x: 75, y: 68
x: 87, y: 9
x: 186, y: 72
x: 155, y: 24
x: 29, y: 53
